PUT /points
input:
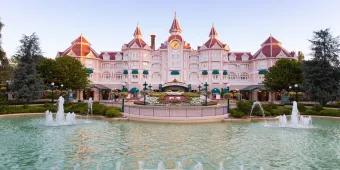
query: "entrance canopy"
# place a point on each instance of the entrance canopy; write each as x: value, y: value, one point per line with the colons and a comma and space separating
x: 134, y: 90
x: 216, y: 91
x: 175, y: 86
x: 99, y: 86
x: 252, y: 88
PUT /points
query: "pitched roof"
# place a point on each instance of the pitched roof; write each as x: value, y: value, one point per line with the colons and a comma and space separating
x: 138, y: 40
x: 272, y: 48
x: 240, y: 54
x: 175, y: 27
x: 213, y: 32
x: 79, y: 47
x: 112, y: 54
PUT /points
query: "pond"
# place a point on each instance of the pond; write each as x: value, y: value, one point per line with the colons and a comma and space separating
x: 26, y: 143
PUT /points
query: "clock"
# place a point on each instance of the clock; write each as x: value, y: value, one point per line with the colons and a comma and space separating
x: 174, y: 44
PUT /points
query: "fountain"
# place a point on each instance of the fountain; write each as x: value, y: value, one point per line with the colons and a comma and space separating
x: 198, y: 166
x: 296, y: 120
x: 253, y: 106
x: 60, y: 118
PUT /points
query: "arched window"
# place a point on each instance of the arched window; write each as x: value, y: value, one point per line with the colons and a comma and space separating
x: 156, y: 77
x: 244, y: 76
x: 232, y: 76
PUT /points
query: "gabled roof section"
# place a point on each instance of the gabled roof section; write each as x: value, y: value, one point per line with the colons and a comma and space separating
x: 137, y: 41
x: 271, y: 47
x: 239, y: 55
x: 80, y: 47
x: 213, y: 41
x: 175, y: 27
x: 111, y: 54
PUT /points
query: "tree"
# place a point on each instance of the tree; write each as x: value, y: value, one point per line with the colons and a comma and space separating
x: 5, y: 68
x: 284, y: 73
x: 27, y: 84
x: 64, y: 70
x: 321, y: 80
x: 325, y: 47
x: 322, y: 73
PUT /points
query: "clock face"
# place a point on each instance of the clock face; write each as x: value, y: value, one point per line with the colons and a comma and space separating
x: 174, y: 44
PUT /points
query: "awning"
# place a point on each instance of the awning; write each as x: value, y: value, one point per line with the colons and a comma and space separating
x: 125, y: 72
x: 145, y: 72
x: 253, y: 87
x: 174, y: 72
x: 216, y: 91
x: 134, y: 90
x: 134, y: 71
x: 225, y: 72
x: 205, y: 72
x: 89, y: 70
x: 215, y: 72
x: 99, y: 86
x: 263, y: 71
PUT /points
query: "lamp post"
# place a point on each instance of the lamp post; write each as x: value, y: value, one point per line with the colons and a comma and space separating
x: 144, y: 89
x: 150, y: 87
x: 199, y: 88
x: 228, y: 107
x: 52, y: 88
x: 206, y: 93
x: 123, y: 97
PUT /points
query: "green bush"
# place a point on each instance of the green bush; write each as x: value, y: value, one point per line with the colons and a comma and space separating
x: 113, y: 112
x: 80, y: 108
x: 301, y: 107
x: 280, y: 111
x: 99, y: 109
x: 51, y: 107
x: 24, y: 109
x: 317, y: 108
x: 244, y: 106
x: 236, y: 113
x: 330, y: 112
x: 269, y: 107
x: 310, y: 112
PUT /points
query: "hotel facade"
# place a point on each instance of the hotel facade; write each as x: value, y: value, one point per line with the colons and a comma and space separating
x: 176, y: 62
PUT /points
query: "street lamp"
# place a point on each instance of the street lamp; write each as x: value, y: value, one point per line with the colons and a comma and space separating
x: 144, y: 89
x: 123, y: 97
x: 52, y: 87
x: 228, y: 107
x: 206, y: 93
x: 199, y: 88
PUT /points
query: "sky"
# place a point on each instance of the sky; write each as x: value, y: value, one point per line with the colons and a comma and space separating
x: 242, y: 24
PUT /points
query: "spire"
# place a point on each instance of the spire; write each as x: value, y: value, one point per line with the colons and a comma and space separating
x: 175, y: 27
x: 138, y: 32
x: 213, y: 33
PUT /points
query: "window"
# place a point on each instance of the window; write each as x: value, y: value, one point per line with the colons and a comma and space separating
x: 106, y: 75
x: 135, y: 76
x: 244, y: 76
x: 215, y: 76
x: 118, y: 76
x: 232, y: 76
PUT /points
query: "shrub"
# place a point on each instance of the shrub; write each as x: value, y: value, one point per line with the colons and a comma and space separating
x: 269, y: 107
x: 51, y: 107
x: 310, y: 112
x: 99, y: 109
x: 301, y: 107
x: 330, y: 112
x: 280, y: 111
x: 80, y: 108
x: 191, y: 94
x: 236, y: 113
x: 317, y: 108
x: 244, y: 106
x: 113, y: 112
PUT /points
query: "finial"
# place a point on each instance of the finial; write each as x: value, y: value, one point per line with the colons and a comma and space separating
x: 175, y: 15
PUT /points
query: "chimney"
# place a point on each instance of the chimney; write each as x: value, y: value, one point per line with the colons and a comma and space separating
x: 153, y: 37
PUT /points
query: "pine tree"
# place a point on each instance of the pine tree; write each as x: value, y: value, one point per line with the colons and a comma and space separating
x: 27, y: 84
x: 322, y: 73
